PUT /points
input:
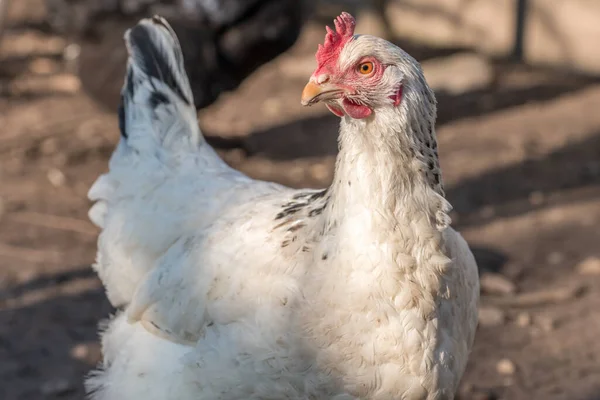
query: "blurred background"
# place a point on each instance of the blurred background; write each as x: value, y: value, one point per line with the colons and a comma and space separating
x: 518, y: 128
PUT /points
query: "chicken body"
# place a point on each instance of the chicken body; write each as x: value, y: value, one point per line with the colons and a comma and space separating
x: 234, y: 288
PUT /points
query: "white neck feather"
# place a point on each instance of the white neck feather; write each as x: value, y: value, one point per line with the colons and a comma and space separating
x: 388, y: 164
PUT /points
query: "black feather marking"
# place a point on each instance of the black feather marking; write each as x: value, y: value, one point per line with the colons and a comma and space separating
x: 316, y: 211
x: 129, y: 83
x: 122, y: 126
x: 153, y: 59
x: 291, y: 208
x: 294, y: 228
x: 310, y: 196
x: 157, y: 98
x: 162, y: 22
x: 282, y: 223
x: 292, y: 204
x: 324, y: 256
x: 303, y: 200
x: 317, y: 195
x: 126, y: 93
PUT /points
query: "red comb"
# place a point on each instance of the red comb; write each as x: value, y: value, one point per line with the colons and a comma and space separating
x: 335, y: 41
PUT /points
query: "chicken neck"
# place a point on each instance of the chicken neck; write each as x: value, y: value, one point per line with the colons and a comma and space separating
x: 387, y: 171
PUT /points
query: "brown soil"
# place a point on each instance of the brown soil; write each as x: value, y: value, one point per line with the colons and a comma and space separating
x: 521, y: 163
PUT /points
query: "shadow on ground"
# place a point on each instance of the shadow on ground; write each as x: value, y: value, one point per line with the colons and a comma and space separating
x: 38, y: 341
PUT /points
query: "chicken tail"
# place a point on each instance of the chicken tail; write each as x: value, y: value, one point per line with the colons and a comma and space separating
x: 157, y: 116
x: 157, y: 105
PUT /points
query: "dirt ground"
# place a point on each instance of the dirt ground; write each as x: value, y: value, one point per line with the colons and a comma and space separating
x: 521, y: 160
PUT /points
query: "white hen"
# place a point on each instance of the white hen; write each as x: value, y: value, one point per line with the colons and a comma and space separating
x: 234, y: 288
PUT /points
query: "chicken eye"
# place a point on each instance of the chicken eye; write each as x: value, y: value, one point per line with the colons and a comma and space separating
x: 365, y: 68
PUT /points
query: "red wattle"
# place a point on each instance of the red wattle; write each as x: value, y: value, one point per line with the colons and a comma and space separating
x: 356, y: 111
x: 335, y: 110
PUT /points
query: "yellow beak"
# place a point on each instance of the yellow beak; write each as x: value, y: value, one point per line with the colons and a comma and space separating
x: 314, y: 93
